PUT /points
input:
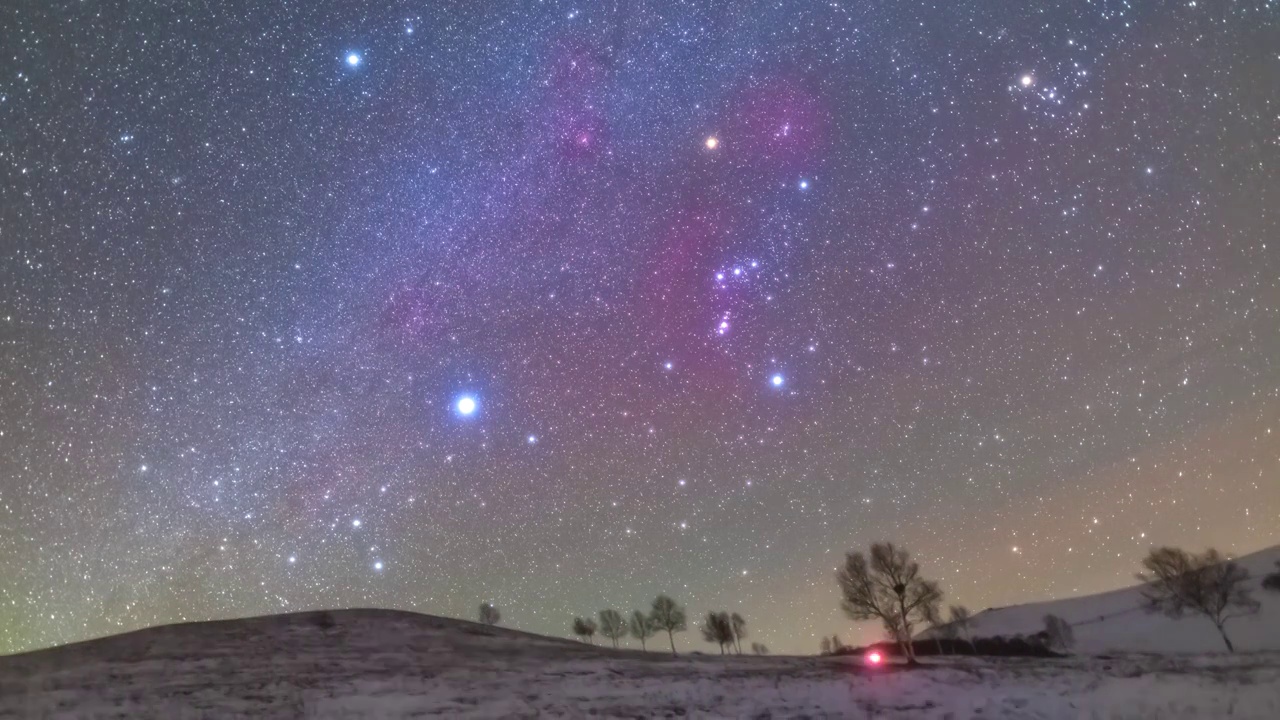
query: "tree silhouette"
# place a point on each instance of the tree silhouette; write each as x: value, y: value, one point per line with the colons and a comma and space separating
x: 585, y: 628
x: 739, y: 626
x: 889, y: 588
x: 612, y: 626
x: 1206, y: 584
x: 958, y: 621
x: 759, y: 648
x: 824, y: 647
x: 666, y: 615
x: 489, y: 614
x: 1058, y: 633
x: 932, y: 615
x: 641, y: 628
x: 1272, y: 581
x: 718, y: 628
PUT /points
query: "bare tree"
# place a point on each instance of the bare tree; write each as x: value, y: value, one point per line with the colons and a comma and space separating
x: 958, y: 620
x: 585, y: 628
x: 759, y: 648
x: 739, y: 626
x: 489, y: 614
x: 1058, y: 633
x: 1272, y: 581
x: 1206, y: 584
x: 612, y: 626
x: 949, y: 632
x: 824, y: 647
x: 641, y: 628
x: 932, y: 614
x: 718, y: 628
x: 889, y: 588
x: 836, y: 644
x: 668, y: 616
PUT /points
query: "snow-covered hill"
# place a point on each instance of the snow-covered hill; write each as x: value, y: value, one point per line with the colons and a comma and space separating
x: 1115, y: 622
x: 385, y: 664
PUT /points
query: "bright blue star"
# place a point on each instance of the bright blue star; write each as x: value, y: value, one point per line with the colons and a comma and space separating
x: 353, y: 59
x: 804, y: 184
x: 466, y: 406
x: 776, y: 380
x: 532, y: 439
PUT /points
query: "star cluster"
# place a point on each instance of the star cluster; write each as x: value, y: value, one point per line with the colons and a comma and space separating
x: 559, y: 306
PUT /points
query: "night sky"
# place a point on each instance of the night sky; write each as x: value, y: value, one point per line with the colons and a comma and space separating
x: 416, y: 305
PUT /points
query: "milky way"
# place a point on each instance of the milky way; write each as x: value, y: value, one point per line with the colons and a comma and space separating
x: 562, y: 305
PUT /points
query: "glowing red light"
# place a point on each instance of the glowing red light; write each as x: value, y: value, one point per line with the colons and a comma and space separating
x: 874, y: 658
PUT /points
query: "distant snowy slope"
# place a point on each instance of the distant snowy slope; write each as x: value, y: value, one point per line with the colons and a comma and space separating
x: 1114, y: 621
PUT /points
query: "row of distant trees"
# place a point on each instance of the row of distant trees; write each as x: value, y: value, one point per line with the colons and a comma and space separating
x: 665, y: 615
x: 614, y: 627
x: 727, y: 629
x: 886, y: 585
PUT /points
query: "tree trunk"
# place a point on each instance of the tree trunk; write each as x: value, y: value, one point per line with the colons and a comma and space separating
x: 1223, y: 632
x: 938, y: 642
x: 672, y: 639
x: 615, y: 643
x: 722, y: 648
x: 905, y: 629
x: 642, y: 647
x: 906, y: 650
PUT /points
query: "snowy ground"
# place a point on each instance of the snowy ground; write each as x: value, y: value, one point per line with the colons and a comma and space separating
x: 375, y: 663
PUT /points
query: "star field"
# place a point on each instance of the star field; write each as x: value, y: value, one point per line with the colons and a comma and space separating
x: 560, y: 306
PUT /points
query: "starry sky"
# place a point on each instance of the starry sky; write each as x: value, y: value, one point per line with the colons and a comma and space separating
x: 561, y: 305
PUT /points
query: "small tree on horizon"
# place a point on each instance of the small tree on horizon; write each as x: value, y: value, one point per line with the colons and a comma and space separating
x: 836, y: 644
x: 641, y: 628
x: 958, y: 620
x: 948, y: 631
x: 585, y: 628
x: 718, y: 628
x: 824, y: 647
x: 759, y: 648
x: 738, y: 624
x: 666, y: 615
x: 1058, y: 633
x: 489, y: 614
x: 1272, y: 581
x: 1207, y: 584
x: 887, y: 587
x: 612, y: 626
x: 932, y: 615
